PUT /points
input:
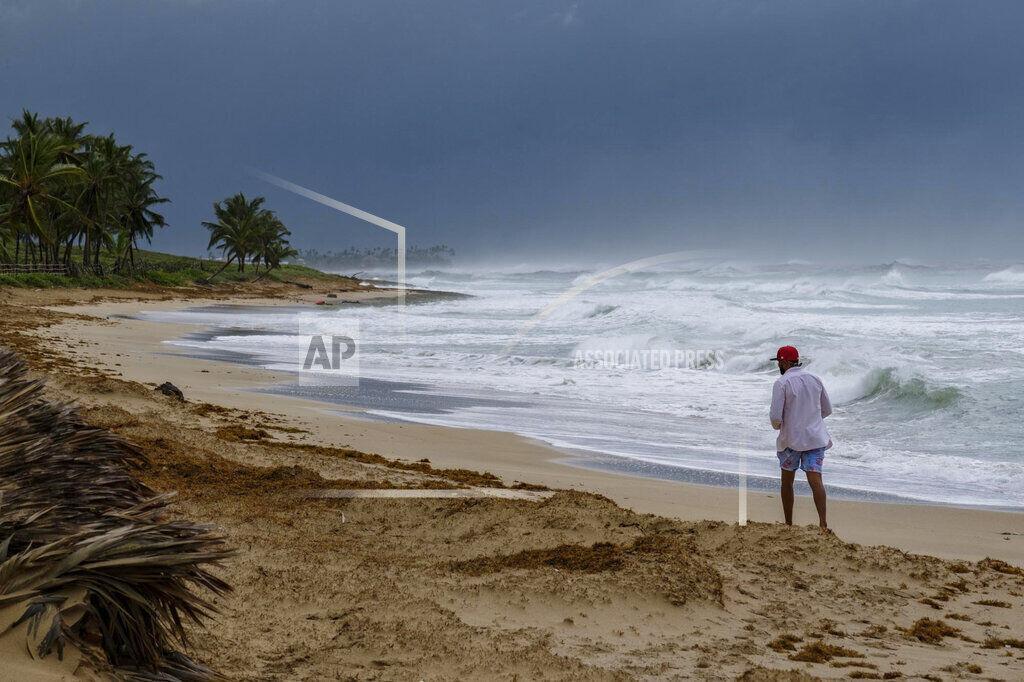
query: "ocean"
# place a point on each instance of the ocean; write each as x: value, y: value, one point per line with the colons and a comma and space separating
x: 664, y: 370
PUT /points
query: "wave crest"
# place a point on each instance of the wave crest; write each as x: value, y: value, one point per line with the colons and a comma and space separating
x: 1012, y: 275
x: 886, y: 384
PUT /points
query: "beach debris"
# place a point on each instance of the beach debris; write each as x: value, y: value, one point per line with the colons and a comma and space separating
x: 424, y: 493
x: 820, y: 652
x: 466, y: 477
x: 519, y: 485
x: 239, y: 433
x: 332, y: 296
x: 692, y: 577
x: 597, y: 558
x: 1000, y: 566
x: 853, y: 664
x: 931, y: 631
x: 93, y: 567
x: 876, y: 631
x: 784, y: 642
x: 1000, y: 643
x: 760, y: 674
x: 962, y: 667
x: 171, y: 391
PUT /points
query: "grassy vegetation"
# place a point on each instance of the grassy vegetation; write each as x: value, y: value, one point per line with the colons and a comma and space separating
x: 163, y: 269
x: 76, y: 202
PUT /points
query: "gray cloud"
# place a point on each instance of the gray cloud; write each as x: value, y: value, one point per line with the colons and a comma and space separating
x: 873, y: 128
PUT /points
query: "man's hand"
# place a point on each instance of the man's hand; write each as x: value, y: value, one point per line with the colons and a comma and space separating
x: 777, y: 425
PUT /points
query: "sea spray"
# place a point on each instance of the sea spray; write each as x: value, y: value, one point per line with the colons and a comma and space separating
x: 924, y: 367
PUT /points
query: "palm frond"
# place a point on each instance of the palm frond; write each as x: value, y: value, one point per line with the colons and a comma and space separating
x: 88, y: 551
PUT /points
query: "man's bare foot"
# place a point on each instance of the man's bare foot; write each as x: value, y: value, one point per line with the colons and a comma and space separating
x: 825, y: 530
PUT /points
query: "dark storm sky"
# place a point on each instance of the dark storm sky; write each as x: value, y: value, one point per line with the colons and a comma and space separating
x: 854, y: 129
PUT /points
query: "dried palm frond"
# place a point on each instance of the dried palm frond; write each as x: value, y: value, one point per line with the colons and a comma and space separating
x: 88, y: 549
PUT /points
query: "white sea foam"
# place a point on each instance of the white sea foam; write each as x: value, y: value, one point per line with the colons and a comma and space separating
x: 1011, y: 276
x: 924, y: 364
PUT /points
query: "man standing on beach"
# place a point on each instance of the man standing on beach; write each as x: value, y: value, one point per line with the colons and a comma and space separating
x: 799, y: 407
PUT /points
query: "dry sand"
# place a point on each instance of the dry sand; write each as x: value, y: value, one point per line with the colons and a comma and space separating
x: 642, y: 580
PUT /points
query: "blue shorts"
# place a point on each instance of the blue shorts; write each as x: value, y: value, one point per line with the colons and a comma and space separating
x: 808, y: 460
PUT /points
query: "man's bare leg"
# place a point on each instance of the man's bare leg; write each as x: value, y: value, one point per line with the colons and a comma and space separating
x: 818, y: 490
x: 787, y: 495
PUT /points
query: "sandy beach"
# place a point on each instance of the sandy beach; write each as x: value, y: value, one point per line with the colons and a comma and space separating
x: 576, y: 573
x: 108, y: 339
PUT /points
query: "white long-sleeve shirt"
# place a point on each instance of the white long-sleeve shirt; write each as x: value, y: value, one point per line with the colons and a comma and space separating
x: 800, y: 402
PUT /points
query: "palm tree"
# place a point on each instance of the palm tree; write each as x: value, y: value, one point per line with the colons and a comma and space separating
x: 62, y: 224
x: 137, y: 215
x: 59, y: 185
x: 37, y: 177
x: 244, y: 230
x: 274, y: 253
x: 235, y: 230
x: 28, y: 124
x: 269, y: 232
x: 99, y: 182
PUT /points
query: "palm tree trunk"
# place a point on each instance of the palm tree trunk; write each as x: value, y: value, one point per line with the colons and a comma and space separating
x: 226, y: 263
x: 265, y: 273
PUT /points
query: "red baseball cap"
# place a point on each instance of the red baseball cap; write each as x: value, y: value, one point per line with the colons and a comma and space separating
x: 787, y: 353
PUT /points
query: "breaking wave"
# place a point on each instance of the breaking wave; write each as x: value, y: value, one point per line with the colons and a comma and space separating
x: 915, y: 392
x: 1013, y: 276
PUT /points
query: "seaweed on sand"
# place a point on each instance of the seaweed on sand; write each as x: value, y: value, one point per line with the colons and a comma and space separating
x: 820, y: 652
x: 89, y: 555
x: 784, y: 642
x: 599, y: 557
x: 931, y: 631
x: 1000, y: 566
x: 1000, y: 643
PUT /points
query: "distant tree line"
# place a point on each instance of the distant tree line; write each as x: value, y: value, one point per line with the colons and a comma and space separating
x: 67, y: 197
x: 368, y: 259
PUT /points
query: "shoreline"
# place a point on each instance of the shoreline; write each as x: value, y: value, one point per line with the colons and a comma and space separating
x: 129, y: 345
x: 365, y: 549
x: 566, y: 454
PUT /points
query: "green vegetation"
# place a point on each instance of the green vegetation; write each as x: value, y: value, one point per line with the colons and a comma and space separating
x: 62, y: 191
x: 162, y: 269
x: 245, y: 230
x: 75, y: 206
